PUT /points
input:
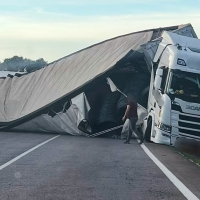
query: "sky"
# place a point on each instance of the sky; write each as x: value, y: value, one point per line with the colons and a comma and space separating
x: 52, y: 29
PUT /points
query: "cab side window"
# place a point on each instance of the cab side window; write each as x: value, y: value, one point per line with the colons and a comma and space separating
x: 164, y: 78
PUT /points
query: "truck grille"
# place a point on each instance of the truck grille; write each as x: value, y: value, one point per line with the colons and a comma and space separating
x: 188, y: 125
x: 189, y: 118
x: 190, y: 122
x: 189, y: 132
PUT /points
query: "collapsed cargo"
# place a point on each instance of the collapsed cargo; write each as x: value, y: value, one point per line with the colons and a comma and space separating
x: 71, y: 95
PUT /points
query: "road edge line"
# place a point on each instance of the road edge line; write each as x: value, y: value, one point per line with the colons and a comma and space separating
x: 182, y: 188
x: 26, y: 152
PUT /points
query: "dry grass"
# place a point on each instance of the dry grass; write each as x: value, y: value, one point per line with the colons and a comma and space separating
x: 193, y: 158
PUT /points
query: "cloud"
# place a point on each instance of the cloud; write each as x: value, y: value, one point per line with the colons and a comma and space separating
x: 39, y: 10
x: 51, y: 35
x: 105, y: 2
x: 76, y: 2
x: 65, y: 26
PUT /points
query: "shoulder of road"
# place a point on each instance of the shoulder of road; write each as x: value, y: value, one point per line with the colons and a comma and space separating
x: 186, y: 171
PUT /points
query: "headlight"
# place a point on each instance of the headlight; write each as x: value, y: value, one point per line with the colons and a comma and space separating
x: 160, y: 113
x: 164, y: 127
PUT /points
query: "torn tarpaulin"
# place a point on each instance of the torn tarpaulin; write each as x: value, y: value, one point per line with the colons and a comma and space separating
x: 73, y: 121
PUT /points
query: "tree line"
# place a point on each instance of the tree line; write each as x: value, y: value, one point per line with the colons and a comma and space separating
x: 20, y: 64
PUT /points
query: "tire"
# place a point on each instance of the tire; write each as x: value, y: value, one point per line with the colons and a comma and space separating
x: 147, y: 135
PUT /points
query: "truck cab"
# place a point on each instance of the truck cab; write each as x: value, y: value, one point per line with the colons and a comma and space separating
x: 174, y: 94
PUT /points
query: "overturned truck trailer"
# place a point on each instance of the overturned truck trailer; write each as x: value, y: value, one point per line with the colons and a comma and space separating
x: 71, y: 95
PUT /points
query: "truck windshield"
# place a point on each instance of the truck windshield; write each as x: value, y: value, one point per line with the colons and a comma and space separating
x: 184, y: 85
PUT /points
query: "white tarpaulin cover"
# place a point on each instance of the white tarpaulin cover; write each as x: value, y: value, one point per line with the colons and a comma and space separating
x: 21, y: 96
x: 62, y: 122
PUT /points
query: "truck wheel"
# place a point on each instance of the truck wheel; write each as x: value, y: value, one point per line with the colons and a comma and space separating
x: 147, y: 135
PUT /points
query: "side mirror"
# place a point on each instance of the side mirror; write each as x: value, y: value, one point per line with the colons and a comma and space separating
x: 158, y: 79
x: 158, y: 97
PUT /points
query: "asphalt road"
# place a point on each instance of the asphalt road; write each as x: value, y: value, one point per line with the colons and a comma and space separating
x: 79, y: 168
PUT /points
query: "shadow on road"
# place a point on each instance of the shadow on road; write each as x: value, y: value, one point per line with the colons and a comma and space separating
x: 188, y: 146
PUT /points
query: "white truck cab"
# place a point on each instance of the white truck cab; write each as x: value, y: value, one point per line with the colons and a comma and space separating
x: 174, y: 94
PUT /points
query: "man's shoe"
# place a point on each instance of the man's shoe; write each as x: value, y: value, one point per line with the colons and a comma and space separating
x: 141, y: 139
x: 127, y: 142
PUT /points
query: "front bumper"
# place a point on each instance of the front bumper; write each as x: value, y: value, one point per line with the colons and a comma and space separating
x: 161, y: 137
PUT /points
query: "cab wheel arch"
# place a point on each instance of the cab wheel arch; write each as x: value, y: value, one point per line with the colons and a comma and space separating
x: 147, y: 135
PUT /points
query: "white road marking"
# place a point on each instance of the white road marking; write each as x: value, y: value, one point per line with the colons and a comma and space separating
x: 182, y: 188
x: 25, y: 153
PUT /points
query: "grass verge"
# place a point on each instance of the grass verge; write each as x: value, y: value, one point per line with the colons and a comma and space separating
x: 193, y: 158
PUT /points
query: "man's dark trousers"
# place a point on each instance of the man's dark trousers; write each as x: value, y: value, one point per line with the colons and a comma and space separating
x: 131, y: 127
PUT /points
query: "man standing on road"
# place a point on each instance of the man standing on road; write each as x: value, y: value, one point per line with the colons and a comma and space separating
x: 131, y: 115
